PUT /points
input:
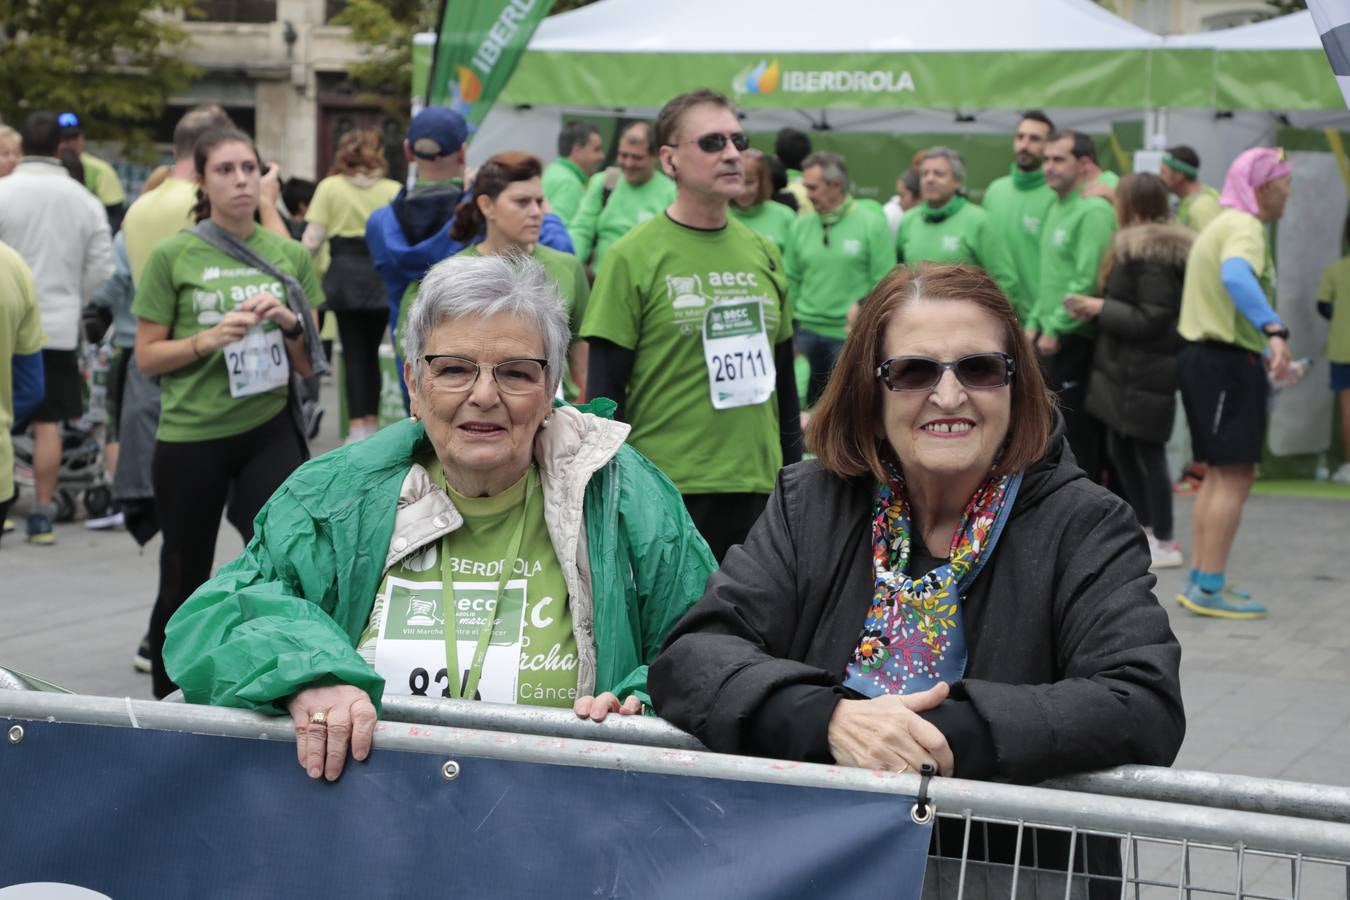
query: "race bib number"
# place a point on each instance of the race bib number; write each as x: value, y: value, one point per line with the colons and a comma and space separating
x: 410, y: 649
x: 256, y: 363
x: 736, y: 349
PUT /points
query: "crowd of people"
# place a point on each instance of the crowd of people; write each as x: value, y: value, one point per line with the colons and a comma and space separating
x: 598, y: 499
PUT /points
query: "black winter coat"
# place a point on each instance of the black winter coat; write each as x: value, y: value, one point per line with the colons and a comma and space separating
x: 1134, y: 368
x: 1072, y: 663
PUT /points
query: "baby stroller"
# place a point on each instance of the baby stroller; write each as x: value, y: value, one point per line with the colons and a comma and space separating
x: 82, y: 477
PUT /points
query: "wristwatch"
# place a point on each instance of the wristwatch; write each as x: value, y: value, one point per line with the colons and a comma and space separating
x: 1279, y: 331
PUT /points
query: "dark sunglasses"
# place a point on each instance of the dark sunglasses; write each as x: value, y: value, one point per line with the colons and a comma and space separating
x: 716, y: 142
x: 978, y: 371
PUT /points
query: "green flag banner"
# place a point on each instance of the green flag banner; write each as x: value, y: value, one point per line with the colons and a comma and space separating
x: 477, y: 48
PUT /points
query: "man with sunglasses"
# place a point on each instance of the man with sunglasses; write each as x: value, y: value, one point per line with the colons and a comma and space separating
x: 1074, y: 238
x: 690, y: 331
x: 835, y: 255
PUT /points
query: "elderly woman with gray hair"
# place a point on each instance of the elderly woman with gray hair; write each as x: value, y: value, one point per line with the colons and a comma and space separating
x: 377, y: 568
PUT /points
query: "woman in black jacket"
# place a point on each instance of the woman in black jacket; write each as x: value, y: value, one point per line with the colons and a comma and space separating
x: 942, y: 585
x: 1134, y: 369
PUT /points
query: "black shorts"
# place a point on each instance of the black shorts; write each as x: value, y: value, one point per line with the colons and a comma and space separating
x: 1226, y: 394
x: 63, y: 398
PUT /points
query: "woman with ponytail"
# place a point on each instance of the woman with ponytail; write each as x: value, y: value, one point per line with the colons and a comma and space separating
x: 507, y: 207
x: 223, y: 318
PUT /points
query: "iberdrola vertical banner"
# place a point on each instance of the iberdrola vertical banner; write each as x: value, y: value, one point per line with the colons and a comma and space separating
x: 1332, y: 18
x: 478, y: 45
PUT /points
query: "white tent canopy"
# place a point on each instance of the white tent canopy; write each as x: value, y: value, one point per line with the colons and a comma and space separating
x: 854, y: 26
x: 1295, y: 31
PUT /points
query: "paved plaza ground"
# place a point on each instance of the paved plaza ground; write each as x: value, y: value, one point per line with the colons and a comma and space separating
x: 1266, y: 698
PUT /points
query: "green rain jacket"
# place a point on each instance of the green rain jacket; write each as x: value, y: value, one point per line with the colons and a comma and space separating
x: 287, y: 614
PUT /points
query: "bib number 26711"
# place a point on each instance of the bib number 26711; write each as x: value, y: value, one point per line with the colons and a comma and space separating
x: 737, y: 352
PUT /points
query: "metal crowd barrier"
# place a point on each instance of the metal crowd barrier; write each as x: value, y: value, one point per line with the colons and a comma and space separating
x: 1170, y: 832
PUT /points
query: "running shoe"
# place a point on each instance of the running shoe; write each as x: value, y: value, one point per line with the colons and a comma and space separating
x: 40, y: 529
x: 1166, y: 554
x: 1219, y: 604
x: 103, y: 523
x: 141, y: 661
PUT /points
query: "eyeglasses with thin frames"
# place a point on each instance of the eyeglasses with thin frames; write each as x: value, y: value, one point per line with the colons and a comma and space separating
x: 976, y: 371
x: 512, y: 376
x: 716, y: 141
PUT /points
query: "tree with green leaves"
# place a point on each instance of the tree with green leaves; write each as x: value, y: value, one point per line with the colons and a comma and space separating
x: 113, y: 62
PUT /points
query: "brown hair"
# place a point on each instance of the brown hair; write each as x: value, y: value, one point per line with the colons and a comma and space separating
x: 359, y: 152
x: 202, y: 151
x: 668, y: 119
x: 843, y: 431
x: 764, y: 186
x: 493, y: 178
x: 1140, y: 198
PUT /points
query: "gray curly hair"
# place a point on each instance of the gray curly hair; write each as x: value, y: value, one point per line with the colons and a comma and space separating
x: 484, y: 286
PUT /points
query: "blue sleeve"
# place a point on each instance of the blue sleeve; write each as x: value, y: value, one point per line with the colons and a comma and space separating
x: 29, y: 385
x: 553, y: 234
x: 1250, y: 300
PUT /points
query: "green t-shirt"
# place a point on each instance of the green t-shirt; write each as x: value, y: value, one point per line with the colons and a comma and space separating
x: 652, y: 296
x: 101, y: 178
x: 1199, y: 209
x: 1108, y: 178
x: 1074, y: 239
x: 532, y: 654
x: 20, y: 335
x: 827, y: 276
x: 564, y: 185
x: 189, y: 285
x: 155, y: 217
x: 770, y: 218
x: 598, y: 226
x: 947, y: 235
x: 1207, y: 311
x: 568, y: 274
x: 1017, y: 205
x: 342, y: 206
x: 1335, y: 289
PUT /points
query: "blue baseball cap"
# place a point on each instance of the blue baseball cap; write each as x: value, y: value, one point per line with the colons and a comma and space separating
x: 437, y: 131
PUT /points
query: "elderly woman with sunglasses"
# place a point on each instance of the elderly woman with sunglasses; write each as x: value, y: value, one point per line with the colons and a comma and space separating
x: 941, y: 585
x: 375, y: 569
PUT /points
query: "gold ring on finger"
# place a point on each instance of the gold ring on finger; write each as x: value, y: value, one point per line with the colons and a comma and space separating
x: 318, y: 718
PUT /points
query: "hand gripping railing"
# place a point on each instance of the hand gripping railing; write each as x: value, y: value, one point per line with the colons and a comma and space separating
x: 1077, y: 810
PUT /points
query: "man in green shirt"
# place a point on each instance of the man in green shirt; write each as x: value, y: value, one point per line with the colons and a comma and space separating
x: 1180, y: 171
x: 99, y: 177
x: 618, y: 199
x: 947, y: 228
x: 580, y: 152
x: 1074, y: 238
x: 835, y: 256
x: 690, y: 331
x: 1017, y: 204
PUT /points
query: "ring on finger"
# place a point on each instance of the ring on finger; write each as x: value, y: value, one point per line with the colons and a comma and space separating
x: 318, y: 718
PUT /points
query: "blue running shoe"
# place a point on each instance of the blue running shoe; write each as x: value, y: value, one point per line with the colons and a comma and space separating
x: 1220, y: 604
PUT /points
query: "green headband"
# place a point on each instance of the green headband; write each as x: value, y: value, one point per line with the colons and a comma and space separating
x: 1183, y: 167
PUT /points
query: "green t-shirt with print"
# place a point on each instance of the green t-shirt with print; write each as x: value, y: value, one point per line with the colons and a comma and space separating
x: 600, y: 222
x: 189, y: 285
x: 1334, y: 288
x: 532, y: 654
x: 567, y: 273
x: 770, y: 218
x: 1017, y: 205
x: 652, y: 296
x: 834, y: 260
x: 1207, y: 310
x: 952, y: 234
x: 342, y: 205
x: 1074, y: 238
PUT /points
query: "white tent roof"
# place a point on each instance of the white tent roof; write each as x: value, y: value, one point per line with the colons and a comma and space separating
x: 1295, y: 31
x: 858, y: 26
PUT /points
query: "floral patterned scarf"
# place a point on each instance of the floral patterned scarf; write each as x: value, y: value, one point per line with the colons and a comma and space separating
x: 913, y: 635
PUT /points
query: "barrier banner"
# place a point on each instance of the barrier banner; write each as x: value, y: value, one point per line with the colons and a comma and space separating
x: 147, y: 814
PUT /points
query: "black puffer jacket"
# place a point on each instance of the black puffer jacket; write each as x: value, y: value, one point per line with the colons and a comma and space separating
x: 1072, y: 664
x: 1134, y: 369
